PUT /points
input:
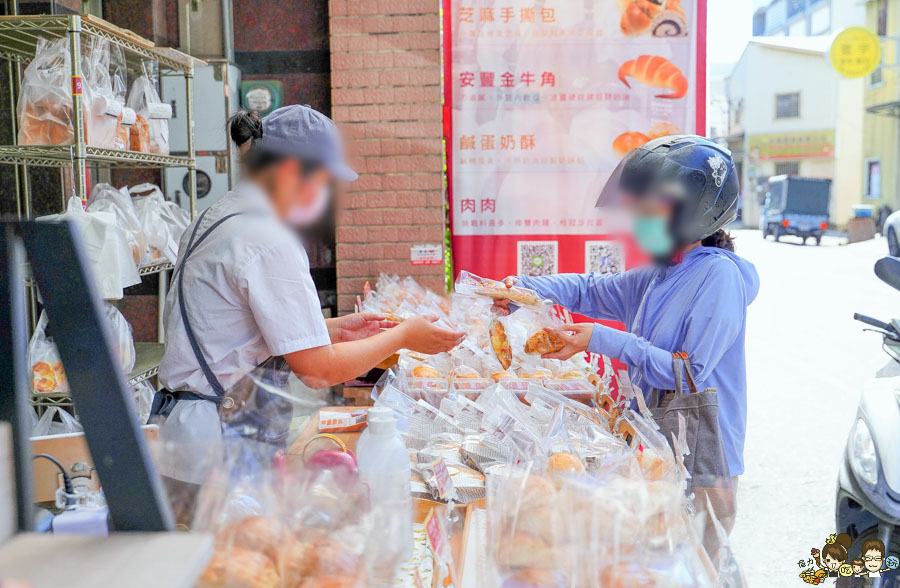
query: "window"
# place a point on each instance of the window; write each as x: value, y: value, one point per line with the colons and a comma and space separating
x: 787, y: 168
x: 876, y: 78
x: 787, y: 105
x: 873, y: 178
x: 882, y: 17
x: 759, y: 23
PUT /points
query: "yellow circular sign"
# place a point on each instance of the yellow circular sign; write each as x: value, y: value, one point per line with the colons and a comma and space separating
x: 855, y: 52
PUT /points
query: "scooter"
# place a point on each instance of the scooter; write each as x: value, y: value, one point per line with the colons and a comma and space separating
x: 868, y: 495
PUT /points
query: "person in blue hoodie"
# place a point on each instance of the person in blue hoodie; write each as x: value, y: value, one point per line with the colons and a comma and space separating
x: 680, y: 191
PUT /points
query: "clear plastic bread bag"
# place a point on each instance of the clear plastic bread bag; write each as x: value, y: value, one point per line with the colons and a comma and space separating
x: 469, y: 283
x: 122, y: 337
x: 153, y: 114
x: 175, y: 217
x: 102, y: 104
x: 47, y: 373
x: 161, y: 243
x: 56, y: 421
x: 143, y: 393
x: 280, y: 526
x: 104, y: 197
x: 44, y: 107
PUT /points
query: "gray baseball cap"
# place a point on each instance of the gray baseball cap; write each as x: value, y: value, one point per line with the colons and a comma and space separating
x: 303, y: 132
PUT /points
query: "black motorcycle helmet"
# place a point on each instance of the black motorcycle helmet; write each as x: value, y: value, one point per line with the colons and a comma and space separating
x: 697, y: 174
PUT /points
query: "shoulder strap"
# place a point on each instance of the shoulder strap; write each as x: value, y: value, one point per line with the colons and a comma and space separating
x: 198, y: 353
x: 681, y: 366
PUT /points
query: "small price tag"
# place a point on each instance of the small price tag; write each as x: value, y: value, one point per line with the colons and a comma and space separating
x: 77, y: 86
x: 430, y: 254
x: 625, y: 386
x: 433, y: 532
x: 442, y: 478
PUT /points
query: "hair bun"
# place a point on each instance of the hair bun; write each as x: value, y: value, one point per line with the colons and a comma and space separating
x: 244, y: 126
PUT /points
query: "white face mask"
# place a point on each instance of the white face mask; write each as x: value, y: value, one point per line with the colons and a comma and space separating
x: 303, y: 216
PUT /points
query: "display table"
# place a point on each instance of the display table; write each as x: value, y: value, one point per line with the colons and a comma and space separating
x: 459, y: 530
x: 138, y: 560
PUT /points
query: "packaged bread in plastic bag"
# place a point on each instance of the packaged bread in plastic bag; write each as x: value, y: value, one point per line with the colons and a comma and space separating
x: 469, y: 283
x: 44, y: 108
x: 150, y: 133
x: 106, y: 247
x: 175, y: 217
x: 161, y: 242
x: 103, y: 103
x: 47, y: 373
x: 104, y: 197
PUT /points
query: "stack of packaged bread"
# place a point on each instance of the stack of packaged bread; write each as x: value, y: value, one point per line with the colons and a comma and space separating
x: 45, y: 103
x: 576, y: 491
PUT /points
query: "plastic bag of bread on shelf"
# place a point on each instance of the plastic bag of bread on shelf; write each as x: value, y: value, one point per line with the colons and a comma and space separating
x: 47, y: 373
x: 151, y: 209
x: 469, y: 283
x: 56, y: 421
x: 44, y: 107
x: 103, y: 71
x: 104, y: 197
x: 282, y: 527
x: 150, y: 132
x: 176, y: 218
x: 108, y: 252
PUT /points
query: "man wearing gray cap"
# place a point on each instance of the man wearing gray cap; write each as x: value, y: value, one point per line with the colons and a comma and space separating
x: 243, y: 311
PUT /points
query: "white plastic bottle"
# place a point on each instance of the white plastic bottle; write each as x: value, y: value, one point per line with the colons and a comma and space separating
x: 384, y: 467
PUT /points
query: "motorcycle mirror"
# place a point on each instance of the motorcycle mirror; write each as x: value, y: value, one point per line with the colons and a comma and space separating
x: 888, y: 271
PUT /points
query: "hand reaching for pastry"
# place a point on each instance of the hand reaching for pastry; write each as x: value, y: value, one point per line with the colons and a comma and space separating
x: 360, y: 325
x: 575, y: 338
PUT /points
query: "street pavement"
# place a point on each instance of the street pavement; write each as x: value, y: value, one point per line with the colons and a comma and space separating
x: 806, y: 361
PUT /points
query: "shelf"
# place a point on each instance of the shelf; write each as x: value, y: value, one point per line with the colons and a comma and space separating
x: 146, y: 365
x: 63, y: 156
x: 155, y: 268
x: 19, y: 36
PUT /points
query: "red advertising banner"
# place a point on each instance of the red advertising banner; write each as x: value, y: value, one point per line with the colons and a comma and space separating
x: 542, y: 99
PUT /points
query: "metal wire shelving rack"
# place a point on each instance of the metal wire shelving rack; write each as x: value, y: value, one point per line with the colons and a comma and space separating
x: 19, y: 37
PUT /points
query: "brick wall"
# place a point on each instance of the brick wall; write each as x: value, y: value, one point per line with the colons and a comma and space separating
x: 386, y: 95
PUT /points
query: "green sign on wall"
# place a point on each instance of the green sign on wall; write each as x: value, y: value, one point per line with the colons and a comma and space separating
x: 263, y: 96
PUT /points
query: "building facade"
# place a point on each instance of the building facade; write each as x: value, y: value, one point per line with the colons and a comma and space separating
x: 800, y: 18
x: 881, y: 125
x: 790, y: 113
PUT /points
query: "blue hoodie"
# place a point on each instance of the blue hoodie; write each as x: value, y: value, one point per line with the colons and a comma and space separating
x: 698, y: 306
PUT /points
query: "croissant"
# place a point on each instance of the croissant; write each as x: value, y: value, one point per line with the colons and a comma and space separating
x: 628, y: 141
x: 500, y: 344
x: 657, y: 72
x: 543, y: 342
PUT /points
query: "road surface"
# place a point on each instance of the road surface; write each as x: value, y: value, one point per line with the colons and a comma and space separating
x: 806, y: 361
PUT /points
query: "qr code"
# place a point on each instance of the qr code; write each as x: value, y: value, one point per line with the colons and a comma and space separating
x: 538, y: 258
x: 604, y: 257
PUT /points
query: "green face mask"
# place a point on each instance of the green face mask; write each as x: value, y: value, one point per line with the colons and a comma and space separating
x: 652, y: 234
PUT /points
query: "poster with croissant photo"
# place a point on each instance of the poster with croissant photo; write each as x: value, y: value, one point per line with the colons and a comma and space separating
x: 545, y: 100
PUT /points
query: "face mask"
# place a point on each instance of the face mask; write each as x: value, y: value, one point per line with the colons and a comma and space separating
x: 652, y: 235
x: 303, y: 216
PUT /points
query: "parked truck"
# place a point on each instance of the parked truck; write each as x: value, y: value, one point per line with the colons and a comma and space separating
x: 796, y: 206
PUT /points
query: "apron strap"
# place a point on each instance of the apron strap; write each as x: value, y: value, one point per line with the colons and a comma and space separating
x: 192, y: 339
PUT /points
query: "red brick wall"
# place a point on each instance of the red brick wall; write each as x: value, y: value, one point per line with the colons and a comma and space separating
x: 386, y: 95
